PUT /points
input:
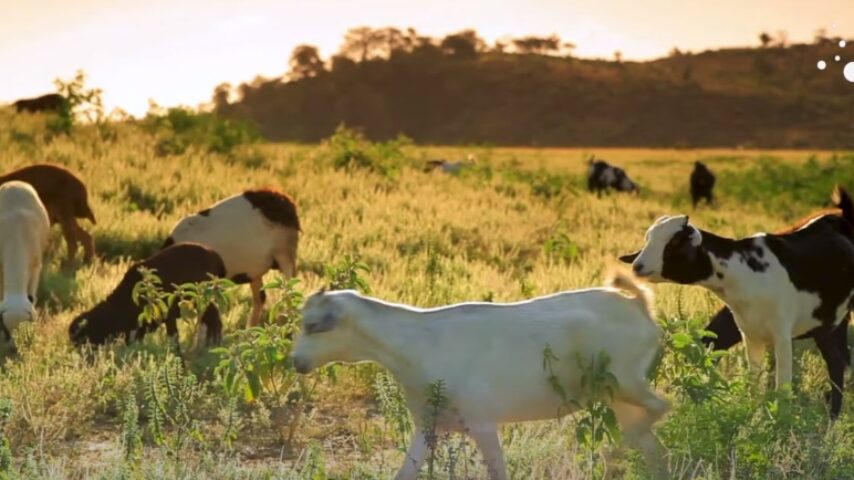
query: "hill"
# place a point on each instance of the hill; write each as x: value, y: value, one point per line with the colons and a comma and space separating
x: 772, y: 97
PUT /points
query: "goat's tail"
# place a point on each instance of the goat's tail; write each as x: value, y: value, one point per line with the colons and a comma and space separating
x: 643, y: 296
x: 842, y: 201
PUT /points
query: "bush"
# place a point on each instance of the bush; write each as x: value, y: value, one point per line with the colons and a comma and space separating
x: 179, y: 128
x: 350, y: 149
x: 790, y: 190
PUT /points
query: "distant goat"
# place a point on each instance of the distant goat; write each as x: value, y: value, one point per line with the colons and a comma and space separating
x: 702, y: 184
x: 52, y: 102
x: 601, y: 176
x: 117, y: 316
x: 490, y: 358
x: 253, y: 232
x: 450, y: 167
x: 65, y: 198
x: 24, y: 232
x: 778, y: 286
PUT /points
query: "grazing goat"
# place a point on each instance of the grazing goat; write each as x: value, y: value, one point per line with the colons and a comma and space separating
x: 253, y: 232
x: 727, y: 335
x: 490, y: 359
x: 118, y: 315
x: 702, y: 184
x: 450, y: 167
x: 52, y: 102
x: 24, y: 232
x: 65, y: 198
x: 778, y: 286
x: 601, y: 176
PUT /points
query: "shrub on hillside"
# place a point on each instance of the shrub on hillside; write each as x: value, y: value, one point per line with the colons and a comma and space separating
x: 179, y: 128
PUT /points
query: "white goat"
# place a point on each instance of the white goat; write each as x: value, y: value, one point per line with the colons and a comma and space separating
x: 490, y: 358
x: 778, y: 286
x: 253, y: 232
x: 24, y: 232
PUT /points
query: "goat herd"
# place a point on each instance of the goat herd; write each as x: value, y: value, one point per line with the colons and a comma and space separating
x: 795, y: 283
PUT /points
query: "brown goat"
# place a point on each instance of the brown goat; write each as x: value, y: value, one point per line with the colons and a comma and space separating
x: 65, y: 198
x: 52, y: 102
x: 118, y: 316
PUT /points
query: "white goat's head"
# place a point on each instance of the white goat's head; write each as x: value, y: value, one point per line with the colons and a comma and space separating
x: 671, y: 251
x: 14, y: 310
x: 326, y: 335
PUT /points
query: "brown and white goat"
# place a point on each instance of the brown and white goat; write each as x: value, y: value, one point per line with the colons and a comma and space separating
x: 24, y: 232
x: 118, y: 316
x: 65, y: 198
x: 253, y: 232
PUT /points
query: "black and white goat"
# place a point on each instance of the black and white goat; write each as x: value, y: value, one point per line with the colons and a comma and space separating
x: 253, y: 232
x: 601, y: 176
x: 778, y: 286
x: 702, y: 184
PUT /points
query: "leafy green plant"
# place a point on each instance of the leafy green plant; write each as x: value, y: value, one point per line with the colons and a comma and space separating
x: 171, y: 396
x: 257, y: 359
x: 559, y: 247
x: 5, y: 446
x: 596, y: 424
x: 131, y: 433
x: 392, y: 404
x: 347, y: 274
x: 437, y: 402
x: 192, y: 299
x: 692, y: 368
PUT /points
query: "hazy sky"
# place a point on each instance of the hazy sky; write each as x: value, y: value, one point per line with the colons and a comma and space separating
x: 177, y: 51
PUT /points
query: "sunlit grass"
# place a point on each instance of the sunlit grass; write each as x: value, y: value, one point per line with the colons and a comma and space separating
x: 429, y: 239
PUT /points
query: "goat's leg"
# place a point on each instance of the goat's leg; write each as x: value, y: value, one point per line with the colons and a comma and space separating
x: 212, y: 323
x: 86, y: 239
x: 836, y: 364
x: 258, y: 299
x: 33, y: 284
x: 487, y: 441
x: 635, y: 423
x: 172, y: 327
x: 415, y: 456
x: 755, y: 355
x: 783, y: 359
x: 67, y: 223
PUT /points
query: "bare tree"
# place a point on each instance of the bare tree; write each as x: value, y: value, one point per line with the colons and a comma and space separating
x: 765, y: 38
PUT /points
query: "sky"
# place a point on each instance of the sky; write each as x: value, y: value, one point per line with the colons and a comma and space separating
x: 176, y: 51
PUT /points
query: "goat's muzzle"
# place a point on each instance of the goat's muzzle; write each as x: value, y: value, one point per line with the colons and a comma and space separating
x: 301, y: 365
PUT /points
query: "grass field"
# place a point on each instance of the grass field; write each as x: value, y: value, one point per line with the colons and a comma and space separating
x: 518, y: 224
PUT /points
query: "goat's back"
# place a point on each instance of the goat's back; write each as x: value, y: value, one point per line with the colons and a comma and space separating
x: 496, y: 359
x: 59, y: 189
x: 240, y: 231
x: 22, y: 211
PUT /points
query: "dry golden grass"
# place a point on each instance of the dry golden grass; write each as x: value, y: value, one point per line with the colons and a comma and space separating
x: 428, y: 238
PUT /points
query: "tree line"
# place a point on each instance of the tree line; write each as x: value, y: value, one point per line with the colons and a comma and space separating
x: 533, y: 91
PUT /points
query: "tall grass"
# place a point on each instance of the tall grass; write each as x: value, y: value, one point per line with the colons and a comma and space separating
x: 516, y: 225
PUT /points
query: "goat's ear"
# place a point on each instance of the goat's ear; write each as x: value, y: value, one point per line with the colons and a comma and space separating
x: 327, y: 323
x: 630, y: 258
